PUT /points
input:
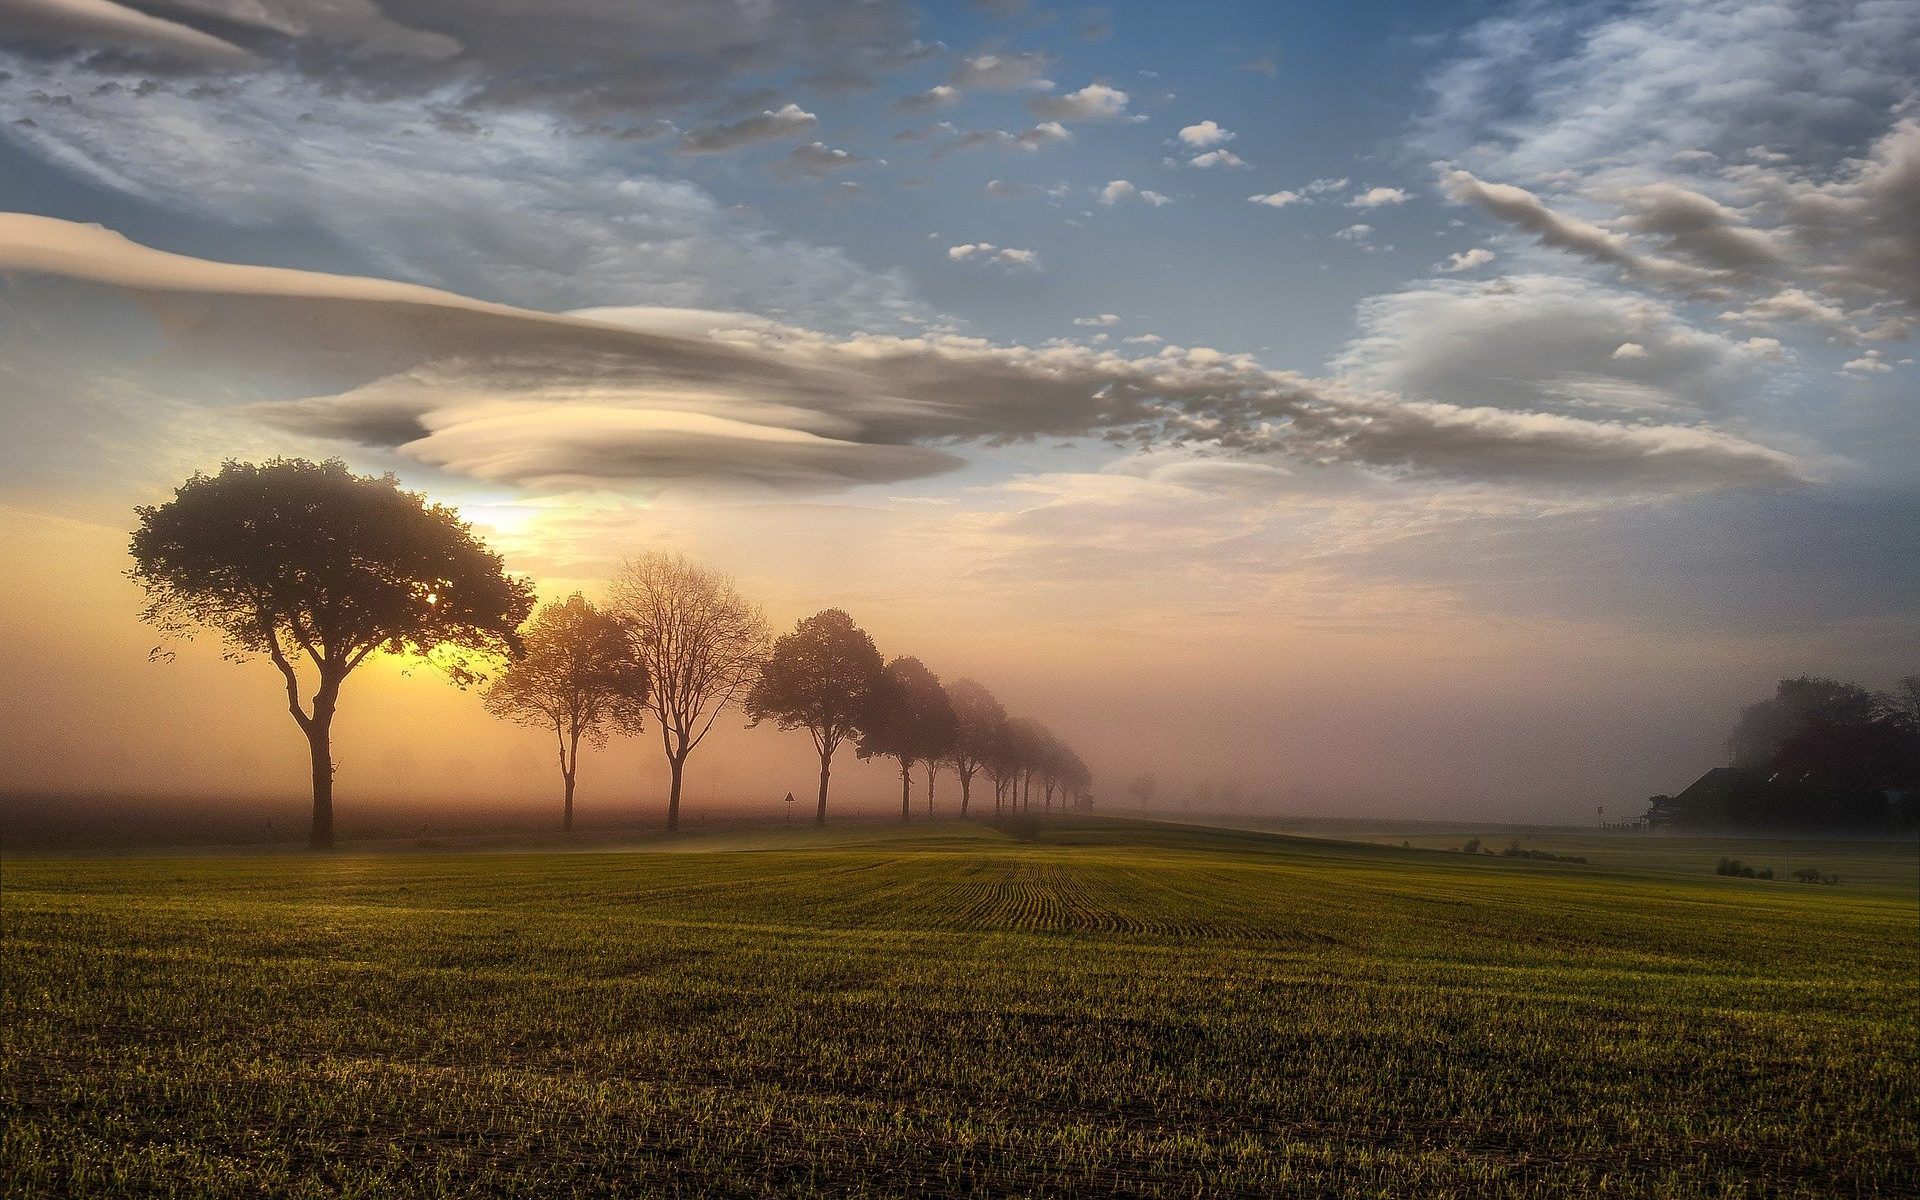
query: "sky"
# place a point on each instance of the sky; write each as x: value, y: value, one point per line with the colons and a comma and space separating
x: 1439, y: 409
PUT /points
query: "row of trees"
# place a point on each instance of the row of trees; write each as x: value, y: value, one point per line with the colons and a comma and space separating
x: 318, y: 569
x: 678, y: 642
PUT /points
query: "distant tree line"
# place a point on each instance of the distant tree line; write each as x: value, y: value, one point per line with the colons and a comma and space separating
x: 318, y: 568
x: 1817, y: 754
x: 1831, y: 754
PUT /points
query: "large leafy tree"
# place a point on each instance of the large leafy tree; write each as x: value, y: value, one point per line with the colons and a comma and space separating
x: 912, y: 722
x: 822, y: 677
x: 701, y: 643
x: 578, y: 677
x: 1827, y: 753
x: 319, y: 569
x: 980, y: 727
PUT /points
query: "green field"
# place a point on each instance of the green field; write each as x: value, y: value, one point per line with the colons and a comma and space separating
x: 1095, y: 1008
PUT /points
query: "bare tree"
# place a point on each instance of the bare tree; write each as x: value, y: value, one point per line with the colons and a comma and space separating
x: 701, y: 643
x: 312, y: 565
x: 821, y: 677
x: 981, y: 727
x: 578, y: 676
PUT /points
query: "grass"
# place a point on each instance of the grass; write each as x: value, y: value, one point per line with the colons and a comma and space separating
x: 1112, y: 1008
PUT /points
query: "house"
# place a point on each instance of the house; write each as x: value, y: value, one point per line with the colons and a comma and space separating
x: 1719, y: 798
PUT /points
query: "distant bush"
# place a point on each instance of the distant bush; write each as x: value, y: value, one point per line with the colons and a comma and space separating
x: 1517, y: 851
x: 1813, y: 875
x: 1472, y: 846
x: 1734, y: 867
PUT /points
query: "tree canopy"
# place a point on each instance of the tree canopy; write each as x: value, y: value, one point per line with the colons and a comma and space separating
x: 309, y: 563
x: 1825, y: 753
x: 912, y: 721
x: 701, y: 644
x: 577, y: 676
x: 979, y: 729
x: 822, y: 677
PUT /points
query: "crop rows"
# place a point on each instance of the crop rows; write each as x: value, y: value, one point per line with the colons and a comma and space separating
x: 950, y: 1015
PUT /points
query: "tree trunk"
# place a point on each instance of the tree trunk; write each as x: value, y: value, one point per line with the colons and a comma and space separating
x: 906, y: 792
x: 320, y: 746
x: 675, y: 766
x: 826, y: 765
x: 966, y: 786
x: 929, y: 791
x: 569, y: 765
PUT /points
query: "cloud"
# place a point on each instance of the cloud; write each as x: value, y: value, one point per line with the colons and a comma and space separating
x: 1102, y: 319
x: 1378, y: 197
x: 940, y: 95
x: 790, y: 120
x: 1277, y: 199
x: 1001, y: 73
x: 1700, y: 229
x: 1006, y: 256
x: 524, y: 213
x: 584, y: 445
x: 1205, y: 134
x: 537, y: 399
x: 103, y: 22
x: 1467, y: 260
x: 598, y: 59
x: 1119, y: 189
x: 1789, y: 304
x: 1518, y: 207
x: 1354, y: 233
x: 1046, y: 133
x: 1216, y: 158
x: 1547, y: 344
x: 1638, y: 85
x: 1872, y: 362
x: 1095, y: 102
x: 816, y: 160
x: 1766, y: 158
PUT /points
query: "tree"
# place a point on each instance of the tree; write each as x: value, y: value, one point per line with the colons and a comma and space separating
x: 1826, y: 753
x: 1027, y: 747
x: 1796, y: 705
x: 1904, y: 701
x: 912, y: 721
x: 577, y: 676
x: 1075, y: 777
x: 310, y: 564
x: 1002, y: 761
x: 700, y: 643
x: 822, y: 676
x: 980, y: 725
x: 1142, y: 787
